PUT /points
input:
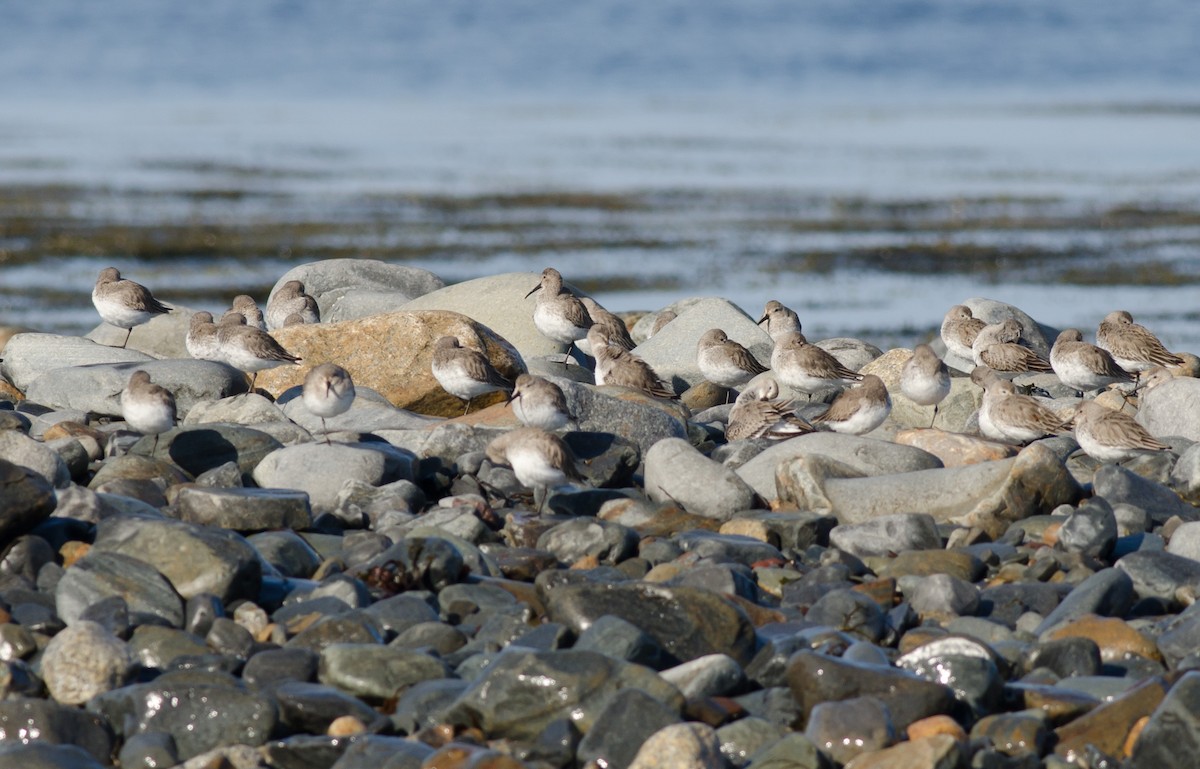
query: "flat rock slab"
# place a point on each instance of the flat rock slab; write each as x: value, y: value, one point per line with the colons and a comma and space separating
x: 319, y: 470
x: 244, y: 510
x: 955, y: 449
x: 161, y: 337
x: 199, y: 448
x: 28, y: 356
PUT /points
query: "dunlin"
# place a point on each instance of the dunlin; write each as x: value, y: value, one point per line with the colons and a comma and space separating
x: 201, y: 340
x: 779, y: 320
x: 1153, y: 377
x: 1011, y: 417
x: 465, y: 373
x: 1084, y: 366
x: 538, y: 402
x: 996, y: 347
x: 860, y: 409
x: 328, y: 391
x: 123, y: 303
x: 1131, y: 345
x: 558, y: 314
x: 756, y: 414
x: 725, y: 362
x: 924, y: 379
x: 959, y: 329
x: 614, y: 366
x: 806, y: 367
x: 615, y: 330
x: 147, y: 407
x: 249, y: 309
x: 249, y: 349
x: 290, y: 298
x: 661, y: 320
x: 539, y: 459
x: 1111, y: 436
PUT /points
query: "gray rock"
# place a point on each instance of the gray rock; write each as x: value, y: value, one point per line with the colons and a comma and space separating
x: 243, y: 510
x: 794, y: 751
x: 335, y: 282
x: 149, y: 749
x: 1091, y: 529
x: 1158, y: 574
x: 350, y: 303
x: 245, y: 409
x: 1108, y: 592
x: 966, y: 664
x: 851, y: 353
x: 34, y: 455
x: 1117, y: 484
x: 622, y: 640
x: 26, y: 498
x: 374, y: 751
x: 29, y: 356
x: 887, y: 534
x: 609, y: 543
x: 1185, y: 475
x: 868, y: 456
x: 100, y: 575
x: 851, y: 612
x: 638, y: 418
x: 82, y: 661
x: 40, y: 755
x: 745, y: 737
x: 45, y: 724
x: 943, y: 594
x: 357, y: 499
x: 1169, y: 739
x: 370, y: 412
x: 795, y: 530
x: 689, y: 745
x: 320, y: 470
x: 199, y: 448
x: 625, y: 722
x: 1185, y: 541
x: 1172, y: 408
x: 1036, y: 335
x: 376, y: 673
x: 676, y: 472
x: 713, y: 675
x: 848, y: 728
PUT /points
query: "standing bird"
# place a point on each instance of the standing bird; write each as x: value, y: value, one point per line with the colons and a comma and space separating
x: 925, y: 380
x: 123, y: 303
x: 1131, y: 345
x: 249, y: 349
x: 614, y: 366
x: 1010, y: 417
x: 538, y: 402
x: 959, y: 329
x: 201, y: 340
x: 725, y: 362
x: 539, y: 459
x: 465, y: 373
x: 806, y: 367
x: 780, y: 320
x: 289, y: 299
x: 558, y: 314
x: 147, y: 407
x: 1082, y: 366
x: 996, y: 347
x: 1111, y: 436
x: 615, y: 330
x: 860, y: 409
x: 328, y: 391
x: 756, y: 414
x: 245, y: 304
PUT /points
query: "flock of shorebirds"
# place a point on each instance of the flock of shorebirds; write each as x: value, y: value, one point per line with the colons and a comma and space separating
x: 1126, y: 355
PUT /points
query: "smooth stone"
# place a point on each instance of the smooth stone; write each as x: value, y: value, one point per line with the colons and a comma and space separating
x: 672, y: 351
x: 1065, y: 657
x: 1185, y: 541
x: 244, y: 510
x: 97, y: 388
x: 1116, y: 640
x: 245, y: 409
x: 1091, y: 529
x: 24, y: 451
x: 99, y: 575
x: 368, y: 413
x: 357, y: 500
x: 845, y: 729
x: 428, y: 562
x: 1117, y: 484
x: 943, y: 595
x: 677, y: 472
x: 374, y: 751
x: 1185, y: 475
x: 376, y: 673
x: 955, y: 449
x: 457, y: 521
x: 82, y: 661
x: 1108, y: 592
x: 196, y: 559
x: 403, y: 375
x: 968, y: 666
x: 421, y: 706
x: 622, y: 640
x: 1173, y: 408
x: 629, y: 414
x: 607, y: 543
x: 787, y: 530
x: 508, y: 699
x: 335, y: 283
x: 311, y: 708
x: 887, y: 534
x: 319, y: 470
x: 1171, y: 736
x: 1022, y: 733
x: 868, y: 456
x: 26, y: 498
x: 680, y: 746
x: 38, y: 722
x: 39, y: 755
x: 154, y: 647
x: 1107, y: 726
x: 726, y: 548
x: 1038, y: 336
x: 1158, y: 574
x: 272, y: 666
x: 851, y: 612
x: 940, y: 751
x: 712, y: 675
x: 199, y: 448
x: 746, y: 737
x: 29, y: 356
x: 149, y: 749
x: 74, y: 454
x: 628, y: 718
x: 794, y: 751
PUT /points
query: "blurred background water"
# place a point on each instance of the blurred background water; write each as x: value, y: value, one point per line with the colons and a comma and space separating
x: 868, y: 163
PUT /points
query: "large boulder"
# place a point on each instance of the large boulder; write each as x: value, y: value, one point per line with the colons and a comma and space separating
x: 346, y: 289
x: 28, y: 356
x: 1172, y: 408
x: 161, y: 337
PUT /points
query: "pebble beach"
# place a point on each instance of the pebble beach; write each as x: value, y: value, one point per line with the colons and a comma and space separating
x: 237, y: 591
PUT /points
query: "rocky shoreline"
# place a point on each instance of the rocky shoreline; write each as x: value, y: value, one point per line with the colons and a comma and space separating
x: 238, y: 593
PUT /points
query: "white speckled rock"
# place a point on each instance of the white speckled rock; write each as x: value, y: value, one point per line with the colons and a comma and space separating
x: 681, y: 746
x: 82, y: 661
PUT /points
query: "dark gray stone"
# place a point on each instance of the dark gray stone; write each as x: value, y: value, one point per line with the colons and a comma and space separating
x: 100, y: 575
x: 376, y: 673
x: 608, y: 543
x: 200, y: 448
x: 1171, y: 738
x: 1158, y: 574
x: 243, y: 509
x: 620, y: 728
x: 1108, y: 592
x: 848, y: 728
x: 26, y: 498
x: 310, y: 708
x: 49, y: 723
x: 1117, y: 484
x: 850, y: 611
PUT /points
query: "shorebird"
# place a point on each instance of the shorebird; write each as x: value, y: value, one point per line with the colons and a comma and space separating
x: 780, y: 320
x: 558, y: 314
x: 959, y: 329
x: 123, y: 303
x: 290, y: 298
x: 1153, y: 377
x: 328, y: 391
x: 662, y: 319
x: 249, y: 349
x: 465, y: 373
x: 1111, y: 436
x: 147, y: 407
x: 538, y: 402
x: 1082, y: 366
x: 756, y: 414
x: 806, y: 367
x: 1131, y: 345
x: 1010, y: 417
x: 245, y: 304
x: 860, y: 409
x: 614, y: 366
x: 615, y: 330
x: 725, y: 362
x: 996, y: 347
x: 201, y: 340
x: 539, y: 459
x: 924, y: 379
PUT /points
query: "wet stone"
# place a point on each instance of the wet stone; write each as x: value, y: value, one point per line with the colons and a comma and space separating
x: 629, y: 717
x: 149, y: 749
x: 57, y: 725
x: 847, y: 728
x: 608, y: 543
x: 376, y: 673
x: 1065, y: 657
x: 968, y: 666
x: 617, y: 638
x: 794, y: 751
x: 710, y: 676
x: 747, y: 736
x: 1107, y: 726
x: 271, y: 666
x: 1108, y: 592
x: 679, y: 746
x: 850, y: 611
x: 82, y: 661
x: 310, y: 708
x: 287, y: 552
x: 1114, y: 637
x: 101, y: 575
x: 1171, y: 736
x: 244, y: 510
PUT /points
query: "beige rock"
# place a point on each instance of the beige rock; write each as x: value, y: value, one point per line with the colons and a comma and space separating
x: 940, y: 751
x: 1116, y: 639
x: 953, y: 412
x: 955, y: 449
x: 391, y: 354
x: 680, y: 746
